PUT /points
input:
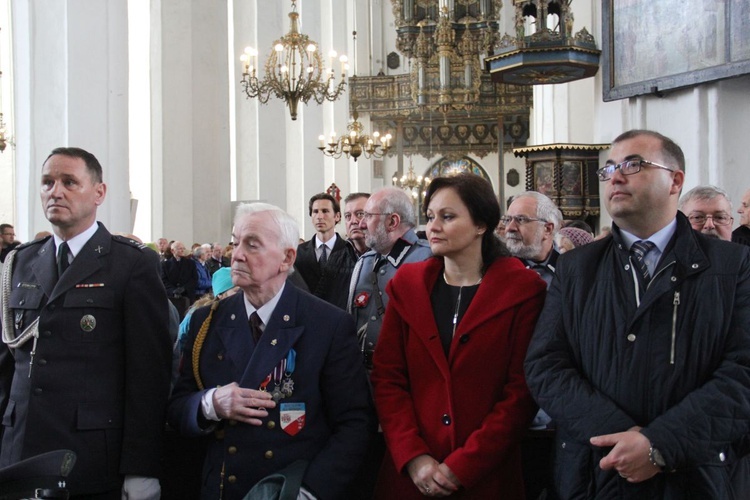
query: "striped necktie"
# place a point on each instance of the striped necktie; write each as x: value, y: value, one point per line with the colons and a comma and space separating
x: 638, y: 251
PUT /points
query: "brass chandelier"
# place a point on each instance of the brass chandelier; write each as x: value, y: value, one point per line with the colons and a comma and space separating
x: 294, y: 71
x: 356, y: 143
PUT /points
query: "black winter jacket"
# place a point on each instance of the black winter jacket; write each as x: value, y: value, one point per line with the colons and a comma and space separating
x: 678, y: 365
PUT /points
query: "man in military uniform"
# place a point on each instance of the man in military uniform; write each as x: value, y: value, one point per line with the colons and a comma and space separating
x: 388, y: 223
x: 278, y: 377
x: 87, y: 356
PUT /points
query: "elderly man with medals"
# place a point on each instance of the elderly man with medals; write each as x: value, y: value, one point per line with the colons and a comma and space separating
x: 273, y: 374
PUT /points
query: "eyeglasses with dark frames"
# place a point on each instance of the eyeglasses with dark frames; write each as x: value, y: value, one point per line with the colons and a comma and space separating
x: 628, y: 167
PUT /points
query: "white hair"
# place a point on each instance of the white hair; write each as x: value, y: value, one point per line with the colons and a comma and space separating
x: 288, y: 228
x: 396, y: 201
x: 545, y: 208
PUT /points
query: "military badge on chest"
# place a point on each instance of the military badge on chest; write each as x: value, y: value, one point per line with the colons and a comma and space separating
x: 281, y: 377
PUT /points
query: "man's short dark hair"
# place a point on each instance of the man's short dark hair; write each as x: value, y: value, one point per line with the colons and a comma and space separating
x: 354, y: 196
x: 670, y: 148
x: 324, y: 196
x: 92, y: 164
x: 3, y: 227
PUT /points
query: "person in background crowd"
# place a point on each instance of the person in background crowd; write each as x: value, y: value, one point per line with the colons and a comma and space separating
x: 642, y: 352
x: 8, y: 240
x: 217, y: 260
x: 741, y: 235
x: 86, y: 360
x: 354, y: 210
x: 463, y: 316
x: 569, y: 238
x: 203, y: 284
x: 709, y: 211
x: 318, y: 260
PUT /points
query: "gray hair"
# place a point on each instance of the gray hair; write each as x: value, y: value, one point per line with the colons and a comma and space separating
x: 288, y: 228
x: 397, y: 201
x: 545, y: 208
x: 703, y: 193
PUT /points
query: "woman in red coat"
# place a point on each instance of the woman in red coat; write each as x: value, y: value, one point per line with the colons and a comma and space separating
x: 448, y: 367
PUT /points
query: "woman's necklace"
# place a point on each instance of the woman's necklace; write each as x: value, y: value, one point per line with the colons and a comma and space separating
x: 458, y: 301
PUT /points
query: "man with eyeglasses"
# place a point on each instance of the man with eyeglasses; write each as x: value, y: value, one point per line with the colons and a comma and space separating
x: 387, y: 223
x: 530, y: 227
x: 741, y: 235
x: 709, y: 210
x: 8, y: 240
x: 642, y: 352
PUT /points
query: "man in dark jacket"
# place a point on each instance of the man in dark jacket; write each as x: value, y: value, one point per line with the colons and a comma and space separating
x: 642, y: 352
x: 85, y: 365
x: 324, y: 261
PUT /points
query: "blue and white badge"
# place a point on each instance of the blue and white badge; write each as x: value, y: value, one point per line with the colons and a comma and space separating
x: 292, y: 417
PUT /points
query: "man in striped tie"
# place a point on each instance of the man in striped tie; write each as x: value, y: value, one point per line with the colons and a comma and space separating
x: 649, y: 384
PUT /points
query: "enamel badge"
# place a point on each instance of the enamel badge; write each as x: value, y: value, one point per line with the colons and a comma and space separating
x: 88, y: 323
x: 361, y: 299
x: 292, y: 417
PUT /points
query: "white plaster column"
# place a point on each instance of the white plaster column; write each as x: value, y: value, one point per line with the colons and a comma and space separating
x: 71, y: 87
x: 190, y: 120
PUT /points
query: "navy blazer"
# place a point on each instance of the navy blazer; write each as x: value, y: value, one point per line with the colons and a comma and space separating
x: 329, y: 379
x: 100, y: 378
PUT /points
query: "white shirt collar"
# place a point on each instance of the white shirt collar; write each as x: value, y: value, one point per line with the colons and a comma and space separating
x: 660, y: 238
x: 75, y: 244
x: 331, y: 241
x: 266, y: 310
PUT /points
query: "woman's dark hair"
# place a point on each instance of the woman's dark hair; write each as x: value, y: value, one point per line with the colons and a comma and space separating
x: 479, y: 198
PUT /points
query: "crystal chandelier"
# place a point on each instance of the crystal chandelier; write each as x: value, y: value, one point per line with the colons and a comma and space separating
x: 294, y: 71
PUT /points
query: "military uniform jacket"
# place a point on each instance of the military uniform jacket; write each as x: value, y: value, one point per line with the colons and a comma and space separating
x: 100, y: 377
x: 367, y: 282
x: 328, y: 379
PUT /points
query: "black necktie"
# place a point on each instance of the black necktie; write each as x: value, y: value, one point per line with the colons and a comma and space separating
x: 323, y: 254
x: 255, y: 324
x: 62, y: 258
x: 638, y: 250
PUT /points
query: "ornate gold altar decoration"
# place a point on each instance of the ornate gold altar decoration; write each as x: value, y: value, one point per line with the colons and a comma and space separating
x: 502, y: 112
x: 549, y: 54
x: 445, y: 41
x: 567, y: 174
x: 294, y: 71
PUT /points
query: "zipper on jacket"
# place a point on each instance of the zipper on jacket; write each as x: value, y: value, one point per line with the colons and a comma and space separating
x: 675, y: 303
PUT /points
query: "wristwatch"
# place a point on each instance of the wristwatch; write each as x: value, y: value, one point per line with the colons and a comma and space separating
x: 656, y: 458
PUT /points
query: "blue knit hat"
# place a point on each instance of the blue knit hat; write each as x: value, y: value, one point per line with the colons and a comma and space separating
x: 221, y: 281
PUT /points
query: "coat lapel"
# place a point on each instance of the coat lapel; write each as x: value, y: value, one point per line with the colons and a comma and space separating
x: 280, y: 335
x: 45, y: 267
x: 85, y: 263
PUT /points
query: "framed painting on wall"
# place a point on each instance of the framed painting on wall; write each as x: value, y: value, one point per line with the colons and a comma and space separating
x: 653, y: 46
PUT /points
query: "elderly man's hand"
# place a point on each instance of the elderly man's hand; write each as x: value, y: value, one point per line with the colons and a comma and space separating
x: 629, y: 455
x: 244, y: 405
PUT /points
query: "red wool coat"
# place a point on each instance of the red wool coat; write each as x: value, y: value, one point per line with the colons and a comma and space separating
x: 469, y: 410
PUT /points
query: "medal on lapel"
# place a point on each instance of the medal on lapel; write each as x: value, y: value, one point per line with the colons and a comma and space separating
x: 284, y: 388
x: 287, y: 386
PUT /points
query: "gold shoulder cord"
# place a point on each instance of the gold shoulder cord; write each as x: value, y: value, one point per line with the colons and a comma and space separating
x: 198, y: 345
